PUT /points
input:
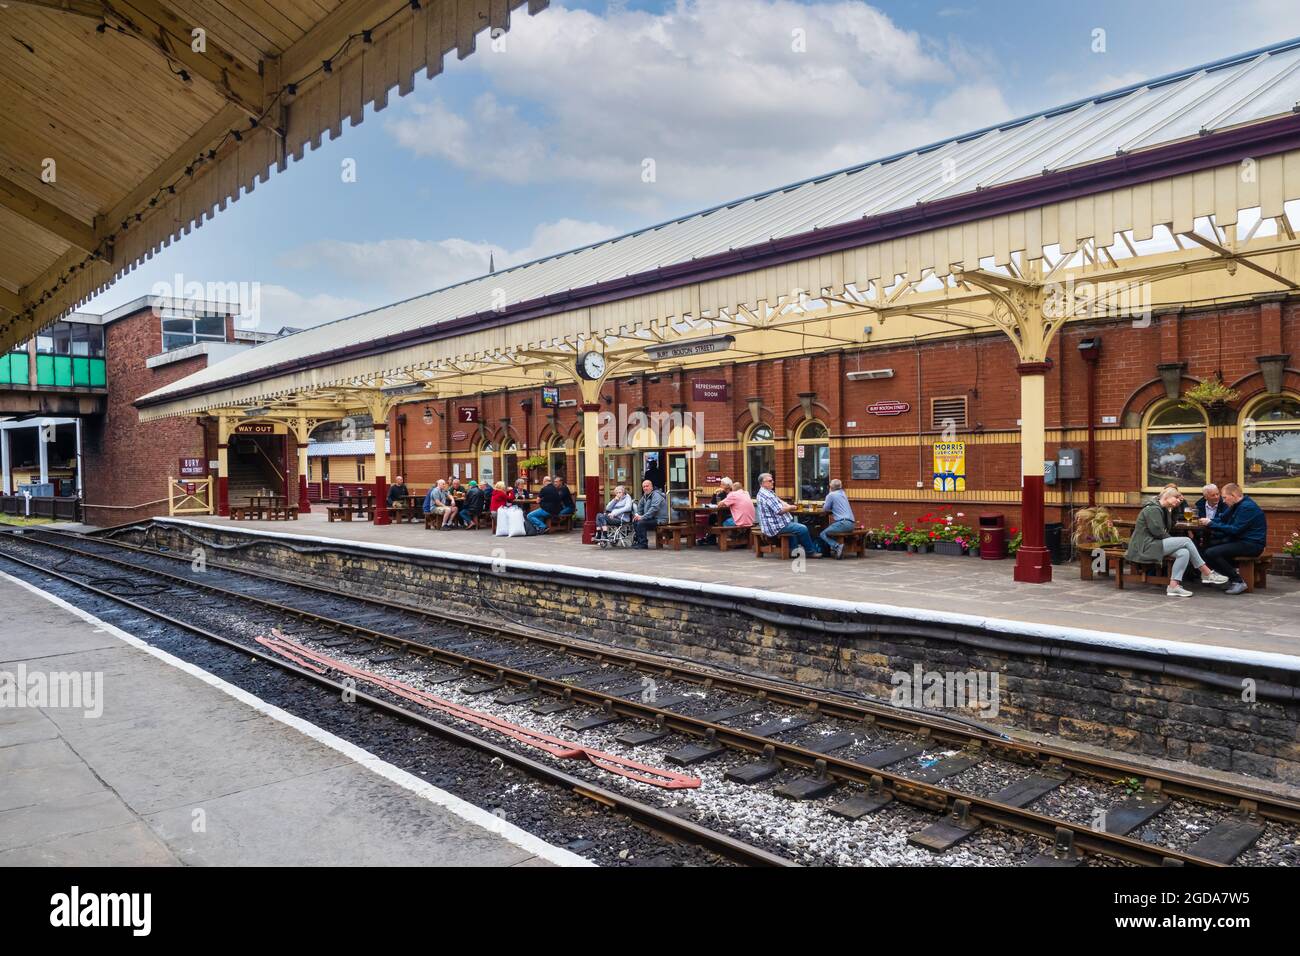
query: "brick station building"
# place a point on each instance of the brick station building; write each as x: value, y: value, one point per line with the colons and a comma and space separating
x: 811, y: 401
x: 86, y: 371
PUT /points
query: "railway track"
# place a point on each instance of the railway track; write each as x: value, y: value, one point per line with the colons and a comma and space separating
x: 839, y: 744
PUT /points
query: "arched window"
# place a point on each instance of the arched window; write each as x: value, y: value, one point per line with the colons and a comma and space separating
x: 579, y: 452
x: 1270, y: 445
x: 760, y: 455
x: 557, y: 459
x: 812, y: 462
x: 487, y: 467
x: 1175, y: 449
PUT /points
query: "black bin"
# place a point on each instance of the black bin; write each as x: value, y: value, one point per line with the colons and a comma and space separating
x: 1054, y: 541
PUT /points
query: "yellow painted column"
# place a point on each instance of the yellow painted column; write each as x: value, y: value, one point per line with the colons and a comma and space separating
x: 223, y: 465
x: 1033, y: 561
x: 381, y: 468
x: 301, y: 435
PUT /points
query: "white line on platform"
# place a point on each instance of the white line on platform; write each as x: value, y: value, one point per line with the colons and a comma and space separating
x: 408, y: 781
x: 1111, y: 641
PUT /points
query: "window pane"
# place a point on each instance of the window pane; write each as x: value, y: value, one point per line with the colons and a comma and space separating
x: 95, y: 339
x: 44, y: 343
x: 97, y: 376
x: 176, y: 341
x: 759, y: 459
x: 1278, y: 410
x: 1173, y: 415
x: 761, y: 433
x: 813, y: 430
x: 1177, y: 457
x: 211, y: 327
x: 1273, y: 458
x: 814, y: 470
x: 61, y: 333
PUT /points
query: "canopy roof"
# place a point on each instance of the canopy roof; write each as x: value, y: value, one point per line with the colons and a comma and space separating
x: 128, y: 122
x: 1161, y: 153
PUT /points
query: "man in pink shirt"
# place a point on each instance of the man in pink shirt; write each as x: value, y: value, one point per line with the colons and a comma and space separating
x: 740, y: 505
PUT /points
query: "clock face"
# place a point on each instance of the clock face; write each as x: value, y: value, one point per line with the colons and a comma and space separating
x: 592, y: 365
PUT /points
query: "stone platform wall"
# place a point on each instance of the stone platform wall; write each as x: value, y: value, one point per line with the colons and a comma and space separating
x: 1133, y: 701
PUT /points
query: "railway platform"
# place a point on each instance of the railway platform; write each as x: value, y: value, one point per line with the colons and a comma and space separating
x: 172, y: 766
x: 1266, y: 621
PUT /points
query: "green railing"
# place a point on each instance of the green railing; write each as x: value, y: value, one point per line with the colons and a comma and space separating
x: 60, y: 371
x: 13, y: 369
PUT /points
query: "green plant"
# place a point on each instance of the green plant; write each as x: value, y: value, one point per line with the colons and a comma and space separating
x: 1208, y: 392
x: 1291, y: 545
x: 1094, y: 526
x: 1017, y: 537
x: 532, y: 461
x: 1131, y: 785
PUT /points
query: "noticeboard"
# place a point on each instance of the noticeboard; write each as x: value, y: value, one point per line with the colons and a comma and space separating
x: 865, y: 468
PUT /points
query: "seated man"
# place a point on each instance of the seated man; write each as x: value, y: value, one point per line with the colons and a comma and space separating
x: 651, y: 511
x: 618, y: 511
x: 550, y: 502
x: 397, y: 492
x: 567, y: 505
x: 473, y: 505
x: 837, y: 503
x: 774, y: 517
x: 740, y: 507
x: 439, y: 502
x: 1244, y: 531
x: 1211, y: 505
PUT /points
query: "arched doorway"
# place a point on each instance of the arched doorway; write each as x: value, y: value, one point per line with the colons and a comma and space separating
x: 760, y: 455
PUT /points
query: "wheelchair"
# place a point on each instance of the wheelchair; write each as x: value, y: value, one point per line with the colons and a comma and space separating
x: 613, y: 534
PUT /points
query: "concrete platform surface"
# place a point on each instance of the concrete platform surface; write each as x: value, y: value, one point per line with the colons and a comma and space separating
x: 167, y: 765
x: 1267, y: 621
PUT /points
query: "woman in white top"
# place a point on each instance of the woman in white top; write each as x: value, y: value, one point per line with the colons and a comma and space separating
x: 618, y: 510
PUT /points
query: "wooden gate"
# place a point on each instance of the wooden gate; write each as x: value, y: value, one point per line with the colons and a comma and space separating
x: 189, y: 496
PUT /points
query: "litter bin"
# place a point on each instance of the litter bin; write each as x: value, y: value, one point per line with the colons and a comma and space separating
x: 993, y: 537
x: 1053, y: 541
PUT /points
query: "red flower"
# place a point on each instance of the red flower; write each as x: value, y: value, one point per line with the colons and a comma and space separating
x: 1015, y: 530
x: 932, y: 534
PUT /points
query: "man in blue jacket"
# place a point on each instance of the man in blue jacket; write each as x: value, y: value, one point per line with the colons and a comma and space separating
x: 1243, y: 531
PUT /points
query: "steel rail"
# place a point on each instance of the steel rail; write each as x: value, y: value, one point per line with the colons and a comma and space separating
x: 646, y: 814
x: 927, y: 796
x: 1171, y: 782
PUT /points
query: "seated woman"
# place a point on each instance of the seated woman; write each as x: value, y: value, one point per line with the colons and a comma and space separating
x: 619, y: 509
x: 1152, y: 543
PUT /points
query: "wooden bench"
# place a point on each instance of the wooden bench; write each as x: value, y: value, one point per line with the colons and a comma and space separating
x: 335, y: 513
x: 853, y: 543
x: 559, y: 524
x: 1254, y: 571
x: 729, y: 536
x: 762, y: 544
x: 1112, y: 552
x: 282, y: 513
x: 675, y: 534
x: 484, y: 520
x: 245, y: 514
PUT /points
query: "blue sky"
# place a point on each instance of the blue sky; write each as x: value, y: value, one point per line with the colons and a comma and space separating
x: 542, y: 146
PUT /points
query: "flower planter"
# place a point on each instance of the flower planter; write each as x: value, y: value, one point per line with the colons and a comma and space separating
x: 951, y: 548
x: 919, y: 548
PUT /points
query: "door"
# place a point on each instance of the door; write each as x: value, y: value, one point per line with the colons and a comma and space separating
x: 677, y: 476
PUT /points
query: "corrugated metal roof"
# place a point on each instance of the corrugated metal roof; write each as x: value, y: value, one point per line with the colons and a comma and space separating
x: 328, y: 449
x: 1247, y: 88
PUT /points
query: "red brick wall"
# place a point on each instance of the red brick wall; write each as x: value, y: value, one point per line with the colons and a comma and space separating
x: 126, y: 462
x: 981, y: 368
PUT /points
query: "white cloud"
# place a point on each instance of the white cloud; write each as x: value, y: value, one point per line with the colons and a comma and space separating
x: 280, y: 306
x: 716, y: 93
x: 399, y: 268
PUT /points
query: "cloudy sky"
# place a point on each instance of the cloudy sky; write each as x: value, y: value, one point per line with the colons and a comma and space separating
x: 544, y: 146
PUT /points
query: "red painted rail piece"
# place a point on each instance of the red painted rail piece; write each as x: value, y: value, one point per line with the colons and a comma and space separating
x: 557, y: 747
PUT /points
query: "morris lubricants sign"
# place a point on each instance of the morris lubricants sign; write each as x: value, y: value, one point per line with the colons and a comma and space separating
x: 950, y: 466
